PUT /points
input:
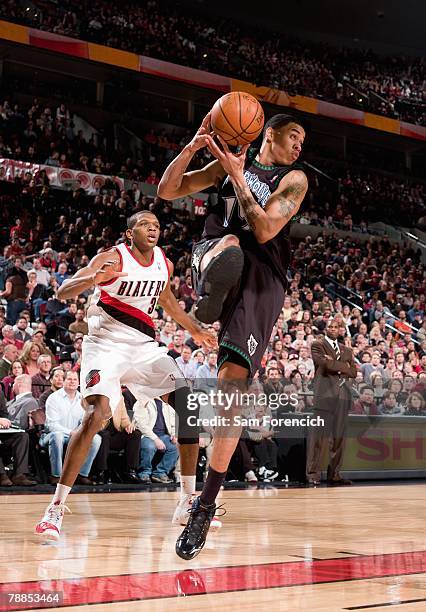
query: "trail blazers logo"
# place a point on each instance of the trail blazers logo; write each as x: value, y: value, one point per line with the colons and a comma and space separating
x: 93, y: 378
x: 252, y: 345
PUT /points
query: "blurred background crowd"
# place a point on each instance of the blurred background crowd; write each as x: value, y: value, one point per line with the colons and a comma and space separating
x: 389, y: 85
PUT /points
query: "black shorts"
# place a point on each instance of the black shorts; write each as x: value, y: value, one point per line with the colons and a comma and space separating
x: 250, y: 311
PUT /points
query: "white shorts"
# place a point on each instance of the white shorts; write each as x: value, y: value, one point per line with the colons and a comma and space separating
x: 144, y: 368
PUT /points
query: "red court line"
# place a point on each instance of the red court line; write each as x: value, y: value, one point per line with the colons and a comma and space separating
x: 158, y: 585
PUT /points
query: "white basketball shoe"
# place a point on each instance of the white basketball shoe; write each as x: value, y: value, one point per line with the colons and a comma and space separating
x: 49, y: 528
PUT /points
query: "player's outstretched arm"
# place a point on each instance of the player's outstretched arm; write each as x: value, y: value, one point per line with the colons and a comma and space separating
x: 170, y: 304
x: 279, y: 209
x: 176, y: 182
x: 101, y: 269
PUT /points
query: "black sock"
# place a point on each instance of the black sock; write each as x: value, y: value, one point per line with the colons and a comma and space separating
x: 212, y: 486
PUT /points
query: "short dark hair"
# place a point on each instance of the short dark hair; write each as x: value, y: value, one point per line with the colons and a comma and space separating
x: 131, y: 221
x: 281, y: 120
x: 387, y: 395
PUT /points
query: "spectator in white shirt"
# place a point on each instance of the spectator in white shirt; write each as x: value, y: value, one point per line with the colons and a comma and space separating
x: 306, y: 361
x: 206, y: 378
x: 64, y: 413
x: 186, y: 364
x: 156, y: 421
x: 43, y: 276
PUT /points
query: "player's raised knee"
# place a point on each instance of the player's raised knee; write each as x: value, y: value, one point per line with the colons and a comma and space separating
x: 230, y: 240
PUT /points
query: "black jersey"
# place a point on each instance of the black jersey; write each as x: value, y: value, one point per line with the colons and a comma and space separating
x: 227, y: 216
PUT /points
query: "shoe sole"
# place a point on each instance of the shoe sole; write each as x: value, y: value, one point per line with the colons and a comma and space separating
x: 222, y: 273
x: 188, y: 557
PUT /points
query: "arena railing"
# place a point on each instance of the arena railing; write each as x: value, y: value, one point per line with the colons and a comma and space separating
x: 353, y: 305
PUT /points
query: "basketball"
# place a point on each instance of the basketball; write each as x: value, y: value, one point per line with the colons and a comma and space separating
x: 237, y: 117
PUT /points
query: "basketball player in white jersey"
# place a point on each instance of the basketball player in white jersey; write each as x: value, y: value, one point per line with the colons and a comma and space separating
x: 121, y: 349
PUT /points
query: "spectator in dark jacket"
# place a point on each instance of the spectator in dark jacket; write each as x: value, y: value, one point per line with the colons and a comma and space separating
x: 24, y: 401
x: 366, y: 403
x: 15, y: 444
x: 56, y: 382
x: 10, y: 353
x: 41, y: 381
x: 7, y: 383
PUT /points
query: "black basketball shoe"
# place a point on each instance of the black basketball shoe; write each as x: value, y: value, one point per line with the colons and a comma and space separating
x: 193, y: 537
x: 219, y: 277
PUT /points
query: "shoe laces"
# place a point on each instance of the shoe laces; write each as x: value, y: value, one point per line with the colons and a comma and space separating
x: 222, y: 510
x: 199, y: 520
x: 55, y: 511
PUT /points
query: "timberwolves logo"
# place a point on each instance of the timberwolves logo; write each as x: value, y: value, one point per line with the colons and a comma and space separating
x: 252, y: 345
x: 93, y: 378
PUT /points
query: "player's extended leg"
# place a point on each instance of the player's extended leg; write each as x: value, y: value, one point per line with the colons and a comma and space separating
x: 188, y: 444
x: 220, y: 270
x: 82, y: 442
x: 232, y: 378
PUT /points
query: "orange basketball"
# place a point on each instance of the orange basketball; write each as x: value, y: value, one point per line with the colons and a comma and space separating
x: 237, y: 117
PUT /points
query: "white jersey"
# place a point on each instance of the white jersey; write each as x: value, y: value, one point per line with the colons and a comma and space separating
x: 120, y: 348
x: 125, y: 303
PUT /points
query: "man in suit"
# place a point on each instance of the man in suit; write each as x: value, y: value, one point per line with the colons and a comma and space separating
x: 24, y: 401
x: 334, y: 366
x: 9, y: 355
x: 13, y: 445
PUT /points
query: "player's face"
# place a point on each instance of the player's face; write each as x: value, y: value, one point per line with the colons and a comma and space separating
x: 286, y: 143
x: 146, y: 232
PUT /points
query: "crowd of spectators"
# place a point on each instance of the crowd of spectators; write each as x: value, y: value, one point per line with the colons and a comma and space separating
x: 393, y: 86
x: 45, y: 134
x: 377, y: 289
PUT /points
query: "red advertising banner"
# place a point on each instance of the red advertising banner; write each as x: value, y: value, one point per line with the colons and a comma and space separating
x: 58, y: 43
x: 149, y: 65
x: 10, y: 169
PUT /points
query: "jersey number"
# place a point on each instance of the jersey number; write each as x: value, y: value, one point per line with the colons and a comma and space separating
x: 152, y: 305
x: 230, y: 203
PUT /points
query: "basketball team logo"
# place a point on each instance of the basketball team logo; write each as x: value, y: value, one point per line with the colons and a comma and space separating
x: 93, y: 378
x: 252, y: 345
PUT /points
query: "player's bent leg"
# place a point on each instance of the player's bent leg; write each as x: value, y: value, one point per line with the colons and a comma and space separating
x: 232, y: 377
x: 78, y: 449
x: 221, y: 268
x: 230, y: 240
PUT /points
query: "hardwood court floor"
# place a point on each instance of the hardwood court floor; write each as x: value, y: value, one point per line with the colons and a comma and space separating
x: 326, y: 549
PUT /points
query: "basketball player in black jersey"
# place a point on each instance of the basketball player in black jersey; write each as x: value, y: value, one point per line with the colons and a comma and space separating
x: 239, y: 267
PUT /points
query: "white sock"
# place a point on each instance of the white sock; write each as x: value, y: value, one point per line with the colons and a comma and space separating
x: 61, y: 494
x: 187, y: 485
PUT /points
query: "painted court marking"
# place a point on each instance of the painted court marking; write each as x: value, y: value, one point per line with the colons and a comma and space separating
x: 173, y: 583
